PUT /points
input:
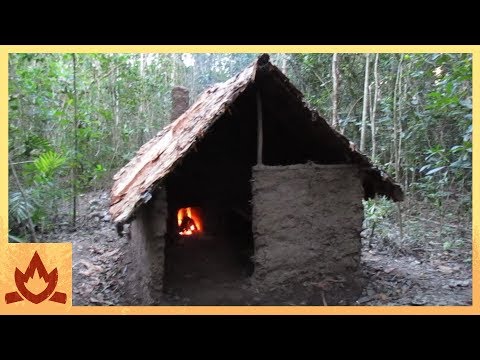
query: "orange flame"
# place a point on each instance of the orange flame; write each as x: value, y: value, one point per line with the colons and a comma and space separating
x: 189, y: 221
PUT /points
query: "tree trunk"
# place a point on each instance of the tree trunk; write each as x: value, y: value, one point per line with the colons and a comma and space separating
x: 401, y: 99
x: 75, y: 148
x: 373, y: 114
x: 396, y: 122
x: 335, y: 91
x: 141, y: 108
x: 117, y: 104
x: 174, y: 71
x: 402, y: 165
x: 116, y: 114
x: 365, y: 105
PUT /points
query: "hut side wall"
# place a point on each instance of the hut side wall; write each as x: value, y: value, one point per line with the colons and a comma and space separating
x: 147, y: 248
x: 307, y: 221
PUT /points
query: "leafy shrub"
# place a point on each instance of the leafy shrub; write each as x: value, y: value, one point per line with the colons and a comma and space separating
x: 19, y: 209
x: 375, y: 210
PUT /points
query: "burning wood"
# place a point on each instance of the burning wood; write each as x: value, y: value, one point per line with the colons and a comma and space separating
x: 189, y: 221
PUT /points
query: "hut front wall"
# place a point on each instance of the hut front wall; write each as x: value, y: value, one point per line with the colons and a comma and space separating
x: 307, y: 221
x: 147, y: 250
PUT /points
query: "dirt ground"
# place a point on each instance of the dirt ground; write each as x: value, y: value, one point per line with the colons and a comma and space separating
x: 416, y: 270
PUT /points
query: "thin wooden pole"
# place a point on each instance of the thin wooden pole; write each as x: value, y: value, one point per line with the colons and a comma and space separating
x: 400, y: 220
x: 259, y: 129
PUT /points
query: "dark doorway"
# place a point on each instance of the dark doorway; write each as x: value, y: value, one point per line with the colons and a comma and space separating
x: 214, y: 182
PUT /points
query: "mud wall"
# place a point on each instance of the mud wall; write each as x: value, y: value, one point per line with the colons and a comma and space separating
x: 147, y: 245
x: 307, y: 221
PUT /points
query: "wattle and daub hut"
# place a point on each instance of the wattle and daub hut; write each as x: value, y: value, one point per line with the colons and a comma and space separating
x: 247, y: 197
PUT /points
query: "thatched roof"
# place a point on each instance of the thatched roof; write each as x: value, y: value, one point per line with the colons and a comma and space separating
x: 134, y: 183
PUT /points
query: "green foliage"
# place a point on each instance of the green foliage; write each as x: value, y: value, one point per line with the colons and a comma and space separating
x: 19, y: 209
x: 34, y: 144
x: 447, y: 245
x: 444, y: 169
x: 123, y: 100
x: 43, y: 168
x: 43, y: 193
x: 16, y: 239
x: 375, y: 210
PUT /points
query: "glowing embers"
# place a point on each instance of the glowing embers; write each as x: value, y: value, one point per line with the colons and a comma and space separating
x: 189, y: 221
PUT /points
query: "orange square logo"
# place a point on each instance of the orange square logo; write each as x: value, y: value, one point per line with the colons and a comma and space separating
x: 36, y: 278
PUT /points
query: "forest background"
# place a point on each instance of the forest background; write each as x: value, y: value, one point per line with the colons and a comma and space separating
x: 75, y: 119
